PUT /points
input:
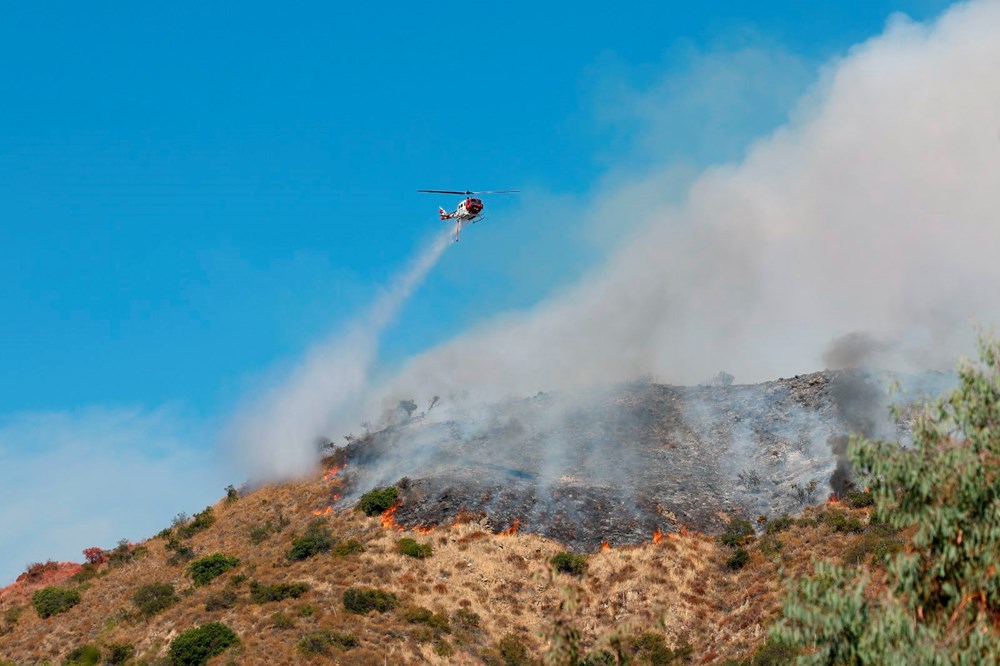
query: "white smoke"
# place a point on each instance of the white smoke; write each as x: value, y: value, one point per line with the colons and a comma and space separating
x: 875, y: 210
x: 275, y: 435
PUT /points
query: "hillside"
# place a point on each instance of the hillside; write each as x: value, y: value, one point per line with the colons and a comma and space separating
x: 487, y: 591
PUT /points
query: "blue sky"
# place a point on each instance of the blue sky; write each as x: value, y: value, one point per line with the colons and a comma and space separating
x: 190, y: 196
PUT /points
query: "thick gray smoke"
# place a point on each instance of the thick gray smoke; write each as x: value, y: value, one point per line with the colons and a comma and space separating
x: 874, y: 211
x: 275, y: 434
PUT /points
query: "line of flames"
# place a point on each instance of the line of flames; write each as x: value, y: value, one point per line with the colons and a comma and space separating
x: 323, y: 512
x: 389, y: 517
x: 334, y: 471
x: 512, y: 530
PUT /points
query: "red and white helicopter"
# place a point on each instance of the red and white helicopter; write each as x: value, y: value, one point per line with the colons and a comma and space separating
x: 469, y: 210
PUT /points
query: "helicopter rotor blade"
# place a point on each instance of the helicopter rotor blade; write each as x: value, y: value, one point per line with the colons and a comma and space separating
x: 469, y: 191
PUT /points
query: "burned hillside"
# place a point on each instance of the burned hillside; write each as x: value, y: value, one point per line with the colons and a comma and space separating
x: 624, y: 464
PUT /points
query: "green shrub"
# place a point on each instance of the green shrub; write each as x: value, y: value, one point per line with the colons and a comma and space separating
x: 195, y: 647
x: 378, y: 500
x: 465, y: 619
x: 738, y: 532
x: 54, y: 600
x: 88, y: 571
x: 651, y: 648
x: 232, y: 494
x: 570, y: 563
x: 738, y: 559
x: 779, y: 524
x: 443, y: 648
x: 362, y: 600
x: 317, y: 642
x: 260, y: 533
x: 317, y: 539
x: 773, y: 653
x: 281, y: 621
x: 840, y: 521
x: 262, y: 594
x: 85, y: 655
x: 201, y: 521
x: 348, y: 547
x: 221, y: 600
x: 238, y: 580
x: 120, y: 554
x: 513, y: 651
x: 858, y: 499
x: 154, y: 598
x: 438, y: 622
x: 119, y: 653
x: 209, y: 568
x: 410, y: 547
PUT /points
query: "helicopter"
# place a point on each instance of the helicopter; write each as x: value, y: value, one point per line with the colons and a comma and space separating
x: 469, y: 209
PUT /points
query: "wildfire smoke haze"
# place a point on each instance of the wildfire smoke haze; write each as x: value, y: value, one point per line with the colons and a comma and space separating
x: 856, y: 234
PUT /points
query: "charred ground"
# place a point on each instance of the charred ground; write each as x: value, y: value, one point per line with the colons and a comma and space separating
x: 618, y: 464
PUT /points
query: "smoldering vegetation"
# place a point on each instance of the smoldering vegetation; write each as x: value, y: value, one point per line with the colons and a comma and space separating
x: 621, y: 463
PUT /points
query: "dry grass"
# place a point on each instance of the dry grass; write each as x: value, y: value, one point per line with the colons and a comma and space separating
x: 679, y: 586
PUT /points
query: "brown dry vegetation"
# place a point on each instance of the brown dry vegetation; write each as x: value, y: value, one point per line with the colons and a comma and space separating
x: 679, y: 587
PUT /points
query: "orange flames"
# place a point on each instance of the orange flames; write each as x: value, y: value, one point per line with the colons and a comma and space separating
x: 833, y: 500
x: 605, y: 546
x: 323, y: 512
x: 389, y: 517
x: 657, y: 536
x: 334, y: 471
x: 512, y: 530
x: 423, y: 529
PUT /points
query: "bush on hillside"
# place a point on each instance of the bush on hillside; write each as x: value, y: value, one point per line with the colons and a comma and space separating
x: 318, y: 642
x: 262, y: 594
x: 513, y: 651
x: 119, y: 653
x: 348, y: 547
x: 738, y: 559
x: 378, y: 500
x: 221, y: 600
x: 206, y: 569
x: 54, y: 600
x: 154, y: 598
x: 201, y: 521
x: 316, y: 539
x: 738, y: 532
x: 569, y: 563
x: 410, y: 547
x: 938, y: 599
x: 85, y: 655
x: 363, y: 600
x: 195, y: 647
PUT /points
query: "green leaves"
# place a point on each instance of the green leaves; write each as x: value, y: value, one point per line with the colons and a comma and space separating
x: 938, y: 597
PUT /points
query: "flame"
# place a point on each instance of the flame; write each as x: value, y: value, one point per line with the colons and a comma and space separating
x: 512, y: 530
x: 423, y: 529
x: 657, y: 536
x: 389, y: 517
x: 605, y: 546
x: 323, y: 512
x: 334, y: 471
x: 671, y: 535
x: 833, y: 500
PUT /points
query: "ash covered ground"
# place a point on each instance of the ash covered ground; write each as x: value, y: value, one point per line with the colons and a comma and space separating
x: 617, y: 465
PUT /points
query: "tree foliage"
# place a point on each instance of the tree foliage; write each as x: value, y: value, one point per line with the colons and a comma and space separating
x: 939, y: 601
x: 209, y: 568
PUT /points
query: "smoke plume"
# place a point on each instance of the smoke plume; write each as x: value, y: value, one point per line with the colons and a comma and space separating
x: 873, y: 210
x: 276, y: 434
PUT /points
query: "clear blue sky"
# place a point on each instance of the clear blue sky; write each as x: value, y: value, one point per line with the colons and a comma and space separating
x: 191, y: 194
